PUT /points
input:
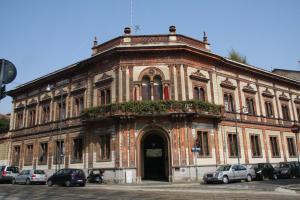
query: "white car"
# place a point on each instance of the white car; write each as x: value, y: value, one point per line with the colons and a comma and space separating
x: 30, y: 176
x: 227, y: 173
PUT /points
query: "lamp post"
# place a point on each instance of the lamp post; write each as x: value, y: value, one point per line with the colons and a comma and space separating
x: 244, y: 111
x: 49, y: 88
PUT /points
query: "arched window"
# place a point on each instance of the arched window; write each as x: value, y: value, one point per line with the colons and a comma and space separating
x: 146, y: 88
x: 157, y: 88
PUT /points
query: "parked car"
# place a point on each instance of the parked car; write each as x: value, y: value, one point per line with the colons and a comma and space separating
x: 288, y: 169
x: 30, y: 176
x: 67, y: 177
x: 264, y: 171
x: 95, y: 176
x: 227, y: 173
x: 8, y: 172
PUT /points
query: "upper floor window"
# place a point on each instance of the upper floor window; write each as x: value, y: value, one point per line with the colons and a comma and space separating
x: 250, y: 105
x: 78, y: 105
x: 298, y: 113
x: 31, y: 117
x: 157, y: 88
x: 228, y: 102
x: 61, y: 110
x: 19, y: 120
x: 45, y: 113
x: 285, y: 112
x: 199, y: 94
x: 104, y: 96
x: 146, y: 88
x: 269, y: 109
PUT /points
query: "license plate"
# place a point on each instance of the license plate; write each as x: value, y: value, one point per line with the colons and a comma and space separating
x: 79, y: 180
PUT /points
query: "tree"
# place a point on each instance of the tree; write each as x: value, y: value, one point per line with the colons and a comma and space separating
x: 236, y: 56
x: 4, y: 125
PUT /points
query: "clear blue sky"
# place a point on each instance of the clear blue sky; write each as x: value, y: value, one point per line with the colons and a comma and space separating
x: 42, y: 36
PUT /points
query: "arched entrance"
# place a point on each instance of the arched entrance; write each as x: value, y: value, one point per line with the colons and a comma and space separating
x: 154, y: 156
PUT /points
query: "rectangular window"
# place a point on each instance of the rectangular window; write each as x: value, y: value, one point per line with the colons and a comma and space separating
x: 250, y: 105
x: 19, y: 121
x: 228, y: 102
x: 78, y: 105
x: 77, y: 150
x: 291, y: 146
x: 269, y: 109
x: 285, y: 112
x: 59, y: 152
x: 61, y: 110
x: 255, y: 145
x: 43, y: 153
x: 104, y: 97
x: 16, y: 155
x: 31, y: 117
x: 233, y: 147
x: 45, y: 114
x: 29, y: 154
x: 298, y: 113
x: 274, y: 146
x: 103, y: 150
x: 203, y: 143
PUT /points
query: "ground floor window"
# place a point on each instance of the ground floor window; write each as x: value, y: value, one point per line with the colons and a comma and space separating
x: 291, y: 146
x: 255, y: 145
x: 103, y: 148
x: 202, y: 142
x: 59, y: 152
x: 274, y: 146
x: 233, y: 146
x: 16, y: 155
x: 77, y: 154
x: 43, y: 153
x: 28, y: 154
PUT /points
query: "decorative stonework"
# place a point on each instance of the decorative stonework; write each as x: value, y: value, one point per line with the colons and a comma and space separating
x: 45, y: 98
x: 199, y: 76
x: 227, y: 84
x: 32, y: 102
x: 61, y: 92
x: 283, y: 97
x: 105, y: 78
x: 78, y: 87
x: 151, y: 72
x: 297, y: 100
x: 20, y: 106
x: 267, y: 93
x: 249, y: 89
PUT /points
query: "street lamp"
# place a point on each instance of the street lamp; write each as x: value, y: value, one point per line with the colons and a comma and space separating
x: 244, y: 111
x: 49, y: 88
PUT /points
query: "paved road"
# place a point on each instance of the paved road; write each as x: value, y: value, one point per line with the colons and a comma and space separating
x: 150, y: 190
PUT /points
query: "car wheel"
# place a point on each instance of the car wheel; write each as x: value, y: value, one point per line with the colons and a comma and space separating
x: 13, y: 181
x: 249, y: 178
x: 263, y: 178
x: 49, y: 183
x: 68, y: 183
x: 225, y: 180
x: 82, y: 185
x: 28, y: 182
x: 275, y: 177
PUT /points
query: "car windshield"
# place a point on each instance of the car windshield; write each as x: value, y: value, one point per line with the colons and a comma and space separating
x: 283, y: 165
x: 39, y: 172
x: 224, y: 168
x: 13, y: 169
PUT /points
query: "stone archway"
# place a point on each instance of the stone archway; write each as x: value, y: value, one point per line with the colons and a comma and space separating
x: 153, y: 154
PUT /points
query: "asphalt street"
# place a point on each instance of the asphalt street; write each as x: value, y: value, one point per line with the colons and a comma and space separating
x: 156, y: 190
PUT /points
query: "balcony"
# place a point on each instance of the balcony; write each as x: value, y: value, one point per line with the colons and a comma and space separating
x: 153, y: 108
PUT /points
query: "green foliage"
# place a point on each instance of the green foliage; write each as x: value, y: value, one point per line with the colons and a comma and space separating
x: 4, y: 125
x: 150, y: 108
x: 236, y: 56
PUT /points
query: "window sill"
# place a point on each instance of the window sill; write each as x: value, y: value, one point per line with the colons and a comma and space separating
x: 257, y: 156
x: 108, y: 160
x: 276, y: 156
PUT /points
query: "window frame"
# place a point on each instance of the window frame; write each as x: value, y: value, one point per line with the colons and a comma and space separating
x: 208, y: 146
x: 277, y: 145
x: 292, y: 148
x: 256, y: 146
x: 100, y: 157
x: 74, y: 158
x: 238, y: 148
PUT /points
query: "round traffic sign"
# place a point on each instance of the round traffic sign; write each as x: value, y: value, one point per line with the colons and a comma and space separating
x: 9, y: 71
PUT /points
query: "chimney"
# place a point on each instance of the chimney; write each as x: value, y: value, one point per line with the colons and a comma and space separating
x: 95, y: 41
x: 172, y: 29
x: 127, y: 32
x: 205, y: 41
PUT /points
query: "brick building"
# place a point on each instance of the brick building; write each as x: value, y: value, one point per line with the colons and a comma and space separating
x: 147, y: 100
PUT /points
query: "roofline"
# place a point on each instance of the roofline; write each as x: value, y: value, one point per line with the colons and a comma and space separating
x: 287, y: 70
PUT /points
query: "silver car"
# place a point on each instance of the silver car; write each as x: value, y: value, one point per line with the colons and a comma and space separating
x: 227, y: 173
x: 30, y: 176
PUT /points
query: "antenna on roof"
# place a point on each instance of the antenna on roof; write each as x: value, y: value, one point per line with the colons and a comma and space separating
x: 131, y: 13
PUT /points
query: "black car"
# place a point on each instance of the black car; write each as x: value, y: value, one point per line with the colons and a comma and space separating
x: 95, y: 176
x: 67, y: 177
x: 264, y: 171
x: 288, y: 170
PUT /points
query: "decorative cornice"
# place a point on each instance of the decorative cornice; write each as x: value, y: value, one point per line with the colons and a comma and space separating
x: 227, y: 84
x: 283, y: 97
x: 297, y: 100
x: 61, y: 93
x: 199, y: 76
x: 32, y: 102
x: 45, y: 98
x: 105, y: 78
x: 20, y: 106
x: 249, y: 89
x: 267, y: 93
x: 78, y: 87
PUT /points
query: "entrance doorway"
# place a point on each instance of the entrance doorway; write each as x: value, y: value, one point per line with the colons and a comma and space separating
x: 154, y: 157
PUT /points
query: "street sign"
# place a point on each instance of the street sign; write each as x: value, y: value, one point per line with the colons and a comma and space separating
x: 8, y: 71
x: 196, y: 149
x: 295, y: 128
